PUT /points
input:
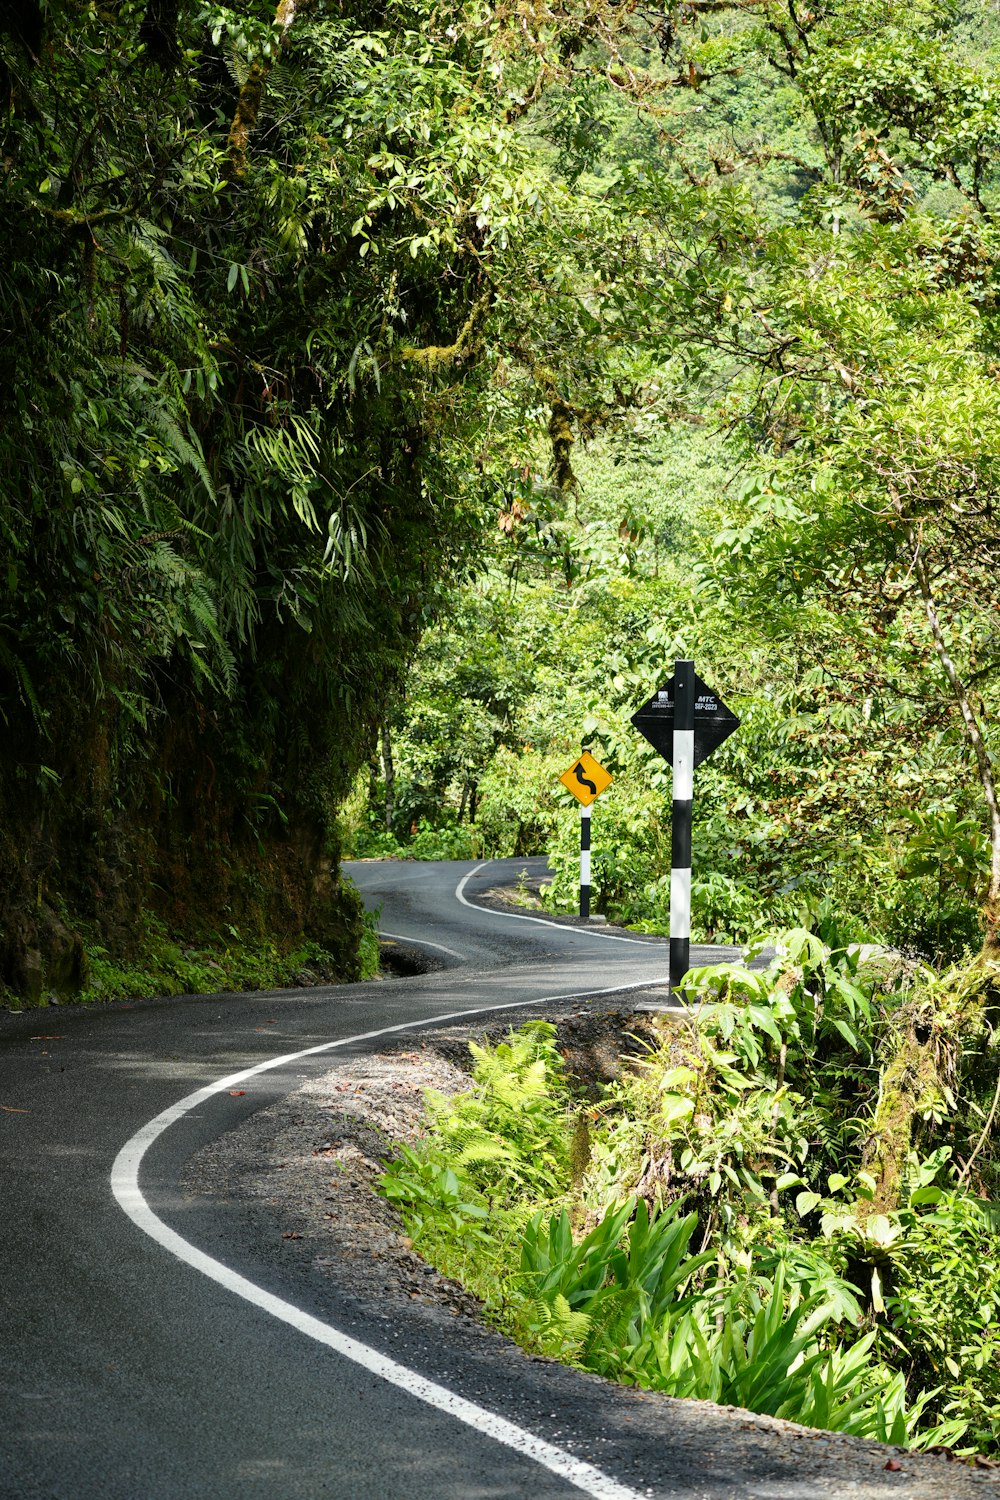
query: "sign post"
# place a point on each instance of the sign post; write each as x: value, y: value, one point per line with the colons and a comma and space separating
x: 680, y: 825
x: 586, y: 779
x: 585, y: 861
x: 685, y: 721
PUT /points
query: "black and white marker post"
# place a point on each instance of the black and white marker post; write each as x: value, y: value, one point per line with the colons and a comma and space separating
x: 684, y: 721
x: 680, y: 827
x: 585, y: 861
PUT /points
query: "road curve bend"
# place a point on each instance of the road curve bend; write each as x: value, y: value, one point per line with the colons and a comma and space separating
x: 154, y: 1346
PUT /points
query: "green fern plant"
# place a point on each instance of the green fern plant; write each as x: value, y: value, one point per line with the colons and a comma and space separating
x: 551, y: 1326
x: 510, y: 1134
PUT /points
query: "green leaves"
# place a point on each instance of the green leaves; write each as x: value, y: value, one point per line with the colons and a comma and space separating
x: 952, y: 849
x: 240, y: 274
x: 510, y: 1133
x: 760, y: 1314
x: 240, y: 501
x: 435, y: 1198
x: 745, y: 1347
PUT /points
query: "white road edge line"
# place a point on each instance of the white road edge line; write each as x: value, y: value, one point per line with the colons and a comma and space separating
x: 399, y: 937
x: 517, y: 916
x: 125, y: 1186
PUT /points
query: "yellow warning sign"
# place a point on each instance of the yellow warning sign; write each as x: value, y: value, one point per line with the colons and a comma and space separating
x: 586, y: 779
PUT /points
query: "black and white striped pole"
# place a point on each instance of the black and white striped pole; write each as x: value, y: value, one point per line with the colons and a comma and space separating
x: 680, y: 827
x: 585, y: 861
x: 684, y: 720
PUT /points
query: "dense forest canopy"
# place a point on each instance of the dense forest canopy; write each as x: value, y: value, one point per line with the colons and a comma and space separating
x: 801, y: 494
x: 249, y: 259
x: 298, y: 302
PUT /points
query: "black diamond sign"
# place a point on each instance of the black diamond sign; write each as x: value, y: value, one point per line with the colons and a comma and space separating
x: 713, y: 721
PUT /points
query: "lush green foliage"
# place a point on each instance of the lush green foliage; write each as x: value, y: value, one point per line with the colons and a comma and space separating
x: 803, y: 498
x: 248, y: 310
x: 833, y: 807
x: 223, y: 962
x: 488, y: 1154
x: 844, y: 1274
x: 295, y: 302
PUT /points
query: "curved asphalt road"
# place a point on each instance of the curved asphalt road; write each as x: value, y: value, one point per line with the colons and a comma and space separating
x: 126, y: 1372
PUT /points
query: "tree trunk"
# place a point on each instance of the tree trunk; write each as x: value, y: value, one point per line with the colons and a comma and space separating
x: 909, y: 1078
x: 252, y: 95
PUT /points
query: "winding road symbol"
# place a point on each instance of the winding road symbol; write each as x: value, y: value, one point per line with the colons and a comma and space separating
x: 583, y: 780
x: 586, y: 779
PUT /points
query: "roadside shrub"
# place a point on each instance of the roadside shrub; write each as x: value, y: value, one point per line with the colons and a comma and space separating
x: 518, y: 807
x: 450, y: 840
x: 629, y: 843
x: 721, y: 1222
x: 943, y: 1308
